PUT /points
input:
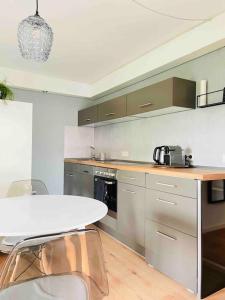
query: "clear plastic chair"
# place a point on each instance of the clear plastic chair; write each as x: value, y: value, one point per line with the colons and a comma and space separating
x: 27, y: 187
x: 67, y: 266
x: 21, y: 188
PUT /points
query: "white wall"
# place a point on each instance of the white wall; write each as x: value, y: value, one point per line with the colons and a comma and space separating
x: 15, y: 143
x: 51, y: 114
x: 200, y: 131
x: 77, y: 141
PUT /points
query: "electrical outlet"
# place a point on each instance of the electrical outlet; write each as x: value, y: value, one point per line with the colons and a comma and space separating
x: 124, y: 153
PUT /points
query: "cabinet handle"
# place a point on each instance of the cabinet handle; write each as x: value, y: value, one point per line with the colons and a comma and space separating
x: 217, y: 189
x: 71, y: 175
x: 166, y: 236
x: 130, y: 178
x: 110, y: 114
x: 145, y: 105
x: 109, y: 182
x: 166, y: 201
x: 85, y: 171
x: 128, y: 191
x: 166, y: 184
x: 87, y: 120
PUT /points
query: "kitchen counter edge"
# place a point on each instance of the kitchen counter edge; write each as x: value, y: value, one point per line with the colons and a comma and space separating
x: 198, y: 173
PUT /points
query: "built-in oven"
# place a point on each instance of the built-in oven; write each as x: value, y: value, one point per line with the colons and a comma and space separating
x: 105, y: 189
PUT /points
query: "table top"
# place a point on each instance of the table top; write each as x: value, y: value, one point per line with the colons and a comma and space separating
x: 47, y: 214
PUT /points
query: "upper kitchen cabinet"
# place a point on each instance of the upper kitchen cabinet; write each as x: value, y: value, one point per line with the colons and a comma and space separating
x: 167, y: 96
x: 113, y: 109
x: 88, y: 116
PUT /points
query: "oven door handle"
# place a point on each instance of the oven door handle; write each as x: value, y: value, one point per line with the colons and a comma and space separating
x: 109, y: 182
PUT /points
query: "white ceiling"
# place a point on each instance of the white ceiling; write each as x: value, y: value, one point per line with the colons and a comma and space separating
x: 93, y: 38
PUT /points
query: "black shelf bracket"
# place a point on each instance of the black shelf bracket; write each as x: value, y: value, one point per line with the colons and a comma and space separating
x: 214, y: 103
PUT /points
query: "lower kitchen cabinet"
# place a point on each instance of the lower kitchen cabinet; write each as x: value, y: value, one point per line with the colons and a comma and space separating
x: 172, y: 253
x: 86, y: 181
x: 131, y: 215
x: 78, y: 180
x: 72, y: 183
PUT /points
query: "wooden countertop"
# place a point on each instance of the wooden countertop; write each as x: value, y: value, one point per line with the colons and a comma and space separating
x: 201, y: 173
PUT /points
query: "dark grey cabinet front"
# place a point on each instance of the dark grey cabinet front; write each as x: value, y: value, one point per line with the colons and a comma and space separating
x: 171, y: 92
x: 72, y: 183
x: 88, y: 116
x: 131, y: 215
x: 112, y: 109
x: 150, y: 98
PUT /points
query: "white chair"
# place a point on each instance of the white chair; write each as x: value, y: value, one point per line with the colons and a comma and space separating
x: 21, y: 188
x: 71, y: 268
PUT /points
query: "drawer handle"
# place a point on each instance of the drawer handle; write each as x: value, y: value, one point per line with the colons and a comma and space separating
x: 128, y: 191
x: 130, y: 178
x: 69, y: 174
x: 145, y: 105
x: 110, y: 114
x: 87, y: 120
x: 166, y: 201
x: 166, y: 236
x: 166, y: 184
x: 85, y: 171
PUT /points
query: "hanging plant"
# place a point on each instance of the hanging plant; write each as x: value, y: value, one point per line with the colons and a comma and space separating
x: 5, y: 92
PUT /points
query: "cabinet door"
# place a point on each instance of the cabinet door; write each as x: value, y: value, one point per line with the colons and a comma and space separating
x: 172, y: 210
x: 150, y: 98
x: 72, y: 183
x: 172, y: 253
x: 87, y: 185
x: 88, y: 116
x: 130, y: 177
x: 173, y: 185
x: 112, y: 109
x: 131, y: 212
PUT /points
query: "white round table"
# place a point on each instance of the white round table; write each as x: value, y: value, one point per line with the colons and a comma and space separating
x: 47, y: 214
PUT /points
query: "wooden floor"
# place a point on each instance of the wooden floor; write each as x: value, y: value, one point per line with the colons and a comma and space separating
x: 130, y: 278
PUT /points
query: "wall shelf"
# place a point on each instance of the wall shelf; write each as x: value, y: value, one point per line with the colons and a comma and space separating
x: 214, y: 103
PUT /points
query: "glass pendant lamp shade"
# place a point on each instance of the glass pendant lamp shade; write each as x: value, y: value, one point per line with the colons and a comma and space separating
x: 35, y: 38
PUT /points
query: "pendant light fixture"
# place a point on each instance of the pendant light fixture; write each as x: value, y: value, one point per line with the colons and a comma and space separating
x: 35, y: 37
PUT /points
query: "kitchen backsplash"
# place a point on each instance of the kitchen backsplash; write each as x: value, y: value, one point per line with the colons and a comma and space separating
x: 200, y: 132
x: 77, y: 141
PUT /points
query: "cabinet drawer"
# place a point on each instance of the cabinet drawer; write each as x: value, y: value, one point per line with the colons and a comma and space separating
x: 174, y: 185
x: 150, y: 98
x: 135, y: 178
x: 88, y: 116
x: 131, y: 213
x: 172, y: 210
x: 172, y: 253
x: 71, y: 167
x: 112, y: 109
x: 86, y: 169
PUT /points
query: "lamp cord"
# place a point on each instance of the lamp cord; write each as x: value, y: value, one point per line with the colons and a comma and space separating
x: 167, y: 15
x: 37, y: 14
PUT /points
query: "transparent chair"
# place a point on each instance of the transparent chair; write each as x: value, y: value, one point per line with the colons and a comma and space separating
x: 27, y: 187
x: 21, y: 188
x: 70, y: 267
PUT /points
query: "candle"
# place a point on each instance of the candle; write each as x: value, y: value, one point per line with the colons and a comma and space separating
x: 202, y: 100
